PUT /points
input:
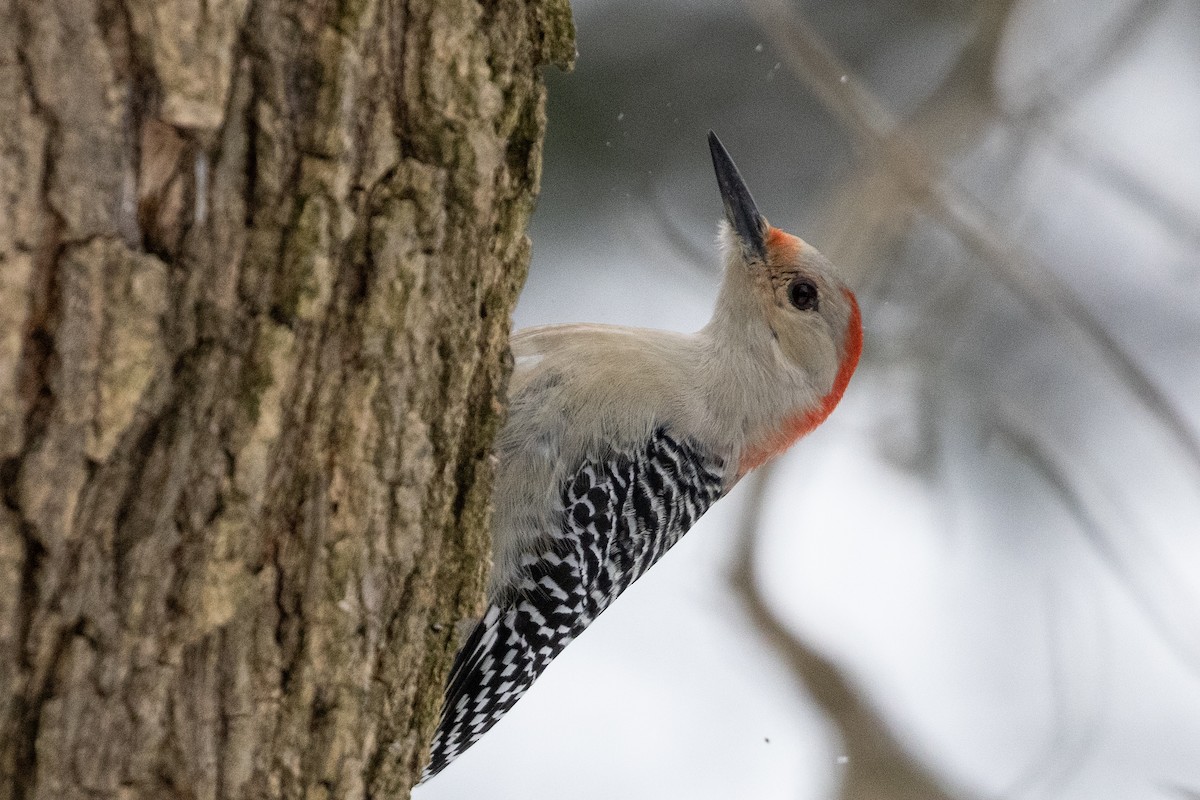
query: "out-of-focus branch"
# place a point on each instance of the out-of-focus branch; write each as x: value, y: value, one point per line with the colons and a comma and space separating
x: 1151, y: 580
x: 878, y: 766
x: 1049, y: 89
x: 698, y: 259
x: 1085, y: 153
x: 1053, y: 88
x: 917, y: 177
x: 1071, y: 745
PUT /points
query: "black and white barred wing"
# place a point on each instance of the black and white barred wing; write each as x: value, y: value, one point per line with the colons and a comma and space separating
x: 619, y: 516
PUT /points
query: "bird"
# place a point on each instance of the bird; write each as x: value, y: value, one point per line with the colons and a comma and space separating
x: 618, y: 439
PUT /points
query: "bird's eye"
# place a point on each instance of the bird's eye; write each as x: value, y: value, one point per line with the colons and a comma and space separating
x: 803, y: 295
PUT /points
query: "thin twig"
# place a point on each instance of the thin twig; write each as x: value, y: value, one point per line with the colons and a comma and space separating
x: 1050, y: 89
x: 1109, y: 536
x: 1070, y: 746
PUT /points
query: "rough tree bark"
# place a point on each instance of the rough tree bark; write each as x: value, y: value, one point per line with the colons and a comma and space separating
x: 257, y: 259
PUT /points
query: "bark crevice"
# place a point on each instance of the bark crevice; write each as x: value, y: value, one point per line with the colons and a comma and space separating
x: 257, y: 263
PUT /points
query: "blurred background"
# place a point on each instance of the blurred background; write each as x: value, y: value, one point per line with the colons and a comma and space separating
x: 981, y: 577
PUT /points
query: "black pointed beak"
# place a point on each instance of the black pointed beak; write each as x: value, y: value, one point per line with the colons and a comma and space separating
x: 739, y: 205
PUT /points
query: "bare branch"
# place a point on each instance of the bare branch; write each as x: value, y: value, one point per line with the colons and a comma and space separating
x: 1073, y: 741
x: 1051, y: 87
x: 879, y: 767
x: 698, y: 260
x: 1152, y: 582
x: 918, y: 178
x: 1083, y: 153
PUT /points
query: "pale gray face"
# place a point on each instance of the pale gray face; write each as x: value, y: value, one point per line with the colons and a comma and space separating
x: 808, y: 308
x: 812, y: 315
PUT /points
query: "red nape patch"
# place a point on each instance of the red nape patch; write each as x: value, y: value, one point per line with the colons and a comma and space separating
x: 805, y: 421
x: 782, y: 246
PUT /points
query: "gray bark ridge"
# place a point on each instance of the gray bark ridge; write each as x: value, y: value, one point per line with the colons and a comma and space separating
x: 257, y: 265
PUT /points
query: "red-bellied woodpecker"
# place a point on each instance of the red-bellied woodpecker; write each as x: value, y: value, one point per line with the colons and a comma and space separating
x: 618, y: 439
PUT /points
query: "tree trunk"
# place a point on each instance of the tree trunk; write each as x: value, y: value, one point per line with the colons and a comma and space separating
x: 257, y: 263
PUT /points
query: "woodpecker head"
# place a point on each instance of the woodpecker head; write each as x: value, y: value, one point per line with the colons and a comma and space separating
x: 787, y: 306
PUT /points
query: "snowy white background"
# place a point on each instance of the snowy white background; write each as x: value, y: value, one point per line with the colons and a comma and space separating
x: 997, y: 535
